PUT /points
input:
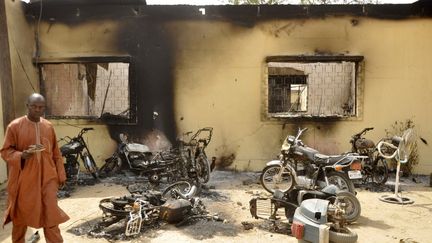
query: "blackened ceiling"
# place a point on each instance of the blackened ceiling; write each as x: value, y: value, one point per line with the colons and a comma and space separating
x: 78, y: 10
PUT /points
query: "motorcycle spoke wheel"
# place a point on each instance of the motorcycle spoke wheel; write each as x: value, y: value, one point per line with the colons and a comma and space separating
x: 203, y: 169
x: 111, y: 166
x: 340, y: 180
x: 271, y: 179
x: 351, y: 205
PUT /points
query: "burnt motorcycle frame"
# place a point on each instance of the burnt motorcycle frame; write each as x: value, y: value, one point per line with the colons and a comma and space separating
x: 186, y: 162
x: 156, y: 165
x: 76, y: 148
x: 374, y: 168
x: 194, y: 161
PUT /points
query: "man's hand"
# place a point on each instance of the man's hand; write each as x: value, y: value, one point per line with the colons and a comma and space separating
x: 31, y: 150
x: 25, y: 154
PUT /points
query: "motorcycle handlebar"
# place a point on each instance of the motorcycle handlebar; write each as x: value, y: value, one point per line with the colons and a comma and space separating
x: 299, y: 133
x: 84, y: 130
x: 363, y: 132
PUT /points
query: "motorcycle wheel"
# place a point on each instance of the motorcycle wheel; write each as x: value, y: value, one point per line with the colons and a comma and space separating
x: 341, y: 180
x: 111, y: 166
x: 270, y: 181
x: 72, y: 169
x: 380, y: 171
x: 203, y: 168
x: 182, y: 187
x: 344, y: 236
x: 109, y: 207
x: 353, y: 207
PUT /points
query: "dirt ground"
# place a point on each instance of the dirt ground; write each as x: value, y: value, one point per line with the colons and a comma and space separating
x: 229, y: 196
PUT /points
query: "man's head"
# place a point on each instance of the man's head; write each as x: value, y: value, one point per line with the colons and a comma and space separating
x: 35, y: 106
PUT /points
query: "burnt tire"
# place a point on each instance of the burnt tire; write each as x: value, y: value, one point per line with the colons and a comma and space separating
x: 341, y: 180
x: 203, y: 168
x: 111, y: 166
x: 353, y: 207
x: 380, y: 171
x: 270, y: 181
x: 182, y: 187
x: 110, y: 207
x: 344, y: 236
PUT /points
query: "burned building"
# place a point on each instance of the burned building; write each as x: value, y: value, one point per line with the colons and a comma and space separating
x: 253, y: 73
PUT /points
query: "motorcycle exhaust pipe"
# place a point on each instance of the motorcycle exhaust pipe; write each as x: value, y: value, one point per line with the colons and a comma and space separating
x: 190, y: 194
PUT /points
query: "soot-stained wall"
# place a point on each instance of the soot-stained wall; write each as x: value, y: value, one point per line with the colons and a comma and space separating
x: 68, y: 32
x: 200, y: 70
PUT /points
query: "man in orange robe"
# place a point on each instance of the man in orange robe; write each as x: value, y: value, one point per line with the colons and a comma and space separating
x: 36, y: 171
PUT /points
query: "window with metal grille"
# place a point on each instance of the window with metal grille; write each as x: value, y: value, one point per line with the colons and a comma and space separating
x: 308, y: 86
x: 287, y: 93
x: 87, y: 90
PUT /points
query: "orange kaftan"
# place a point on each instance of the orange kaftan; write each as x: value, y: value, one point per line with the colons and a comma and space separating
x: 32, y: 185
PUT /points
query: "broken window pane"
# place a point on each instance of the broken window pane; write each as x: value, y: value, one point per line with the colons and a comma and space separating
x: 86, y: 89
x: 298, y: 97
x: 312, y: 89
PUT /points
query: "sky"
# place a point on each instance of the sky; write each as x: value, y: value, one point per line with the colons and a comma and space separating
x: 222, y: 2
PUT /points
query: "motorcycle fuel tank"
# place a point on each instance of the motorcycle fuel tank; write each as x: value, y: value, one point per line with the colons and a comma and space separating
x: 364, y: 143
x: 137, y: 147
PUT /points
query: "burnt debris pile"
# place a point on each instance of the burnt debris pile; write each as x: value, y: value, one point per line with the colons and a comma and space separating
x: 143, y: 209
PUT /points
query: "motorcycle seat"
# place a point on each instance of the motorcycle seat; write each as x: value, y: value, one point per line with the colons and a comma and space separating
x: 330, y: 159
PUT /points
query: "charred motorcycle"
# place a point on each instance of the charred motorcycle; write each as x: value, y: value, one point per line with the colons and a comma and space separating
x: 374, y: 168
x: 193, y: 161
x: 139, y: 159
x: 187, y: 161
x: 176, y: 204
x: 74, y: 150
x: 303, y: 166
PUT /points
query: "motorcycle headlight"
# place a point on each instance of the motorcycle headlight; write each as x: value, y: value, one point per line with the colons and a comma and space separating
x: 285, y: 147
x: 291, y: 139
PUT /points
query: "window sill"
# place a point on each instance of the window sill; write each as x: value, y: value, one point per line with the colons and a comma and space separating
x: 285, y: 115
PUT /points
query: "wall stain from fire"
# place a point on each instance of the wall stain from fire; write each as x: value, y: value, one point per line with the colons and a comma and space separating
x: 151, y: 49
x: 147, y: 43
x: 162, y: 51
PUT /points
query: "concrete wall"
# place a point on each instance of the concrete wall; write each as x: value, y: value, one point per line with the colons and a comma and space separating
x: 221, y: 71
x: 22, y: 78
x: 25, y: 77
x: 217, y: 72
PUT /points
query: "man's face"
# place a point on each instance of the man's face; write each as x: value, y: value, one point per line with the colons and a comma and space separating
x: 36, y: 108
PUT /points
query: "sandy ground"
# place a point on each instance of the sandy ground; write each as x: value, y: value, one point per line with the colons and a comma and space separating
x: 380, y: 222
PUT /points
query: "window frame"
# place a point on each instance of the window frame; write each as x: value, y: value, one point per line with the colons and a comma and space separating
x: 105, y: 59
x: 359, y: 76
